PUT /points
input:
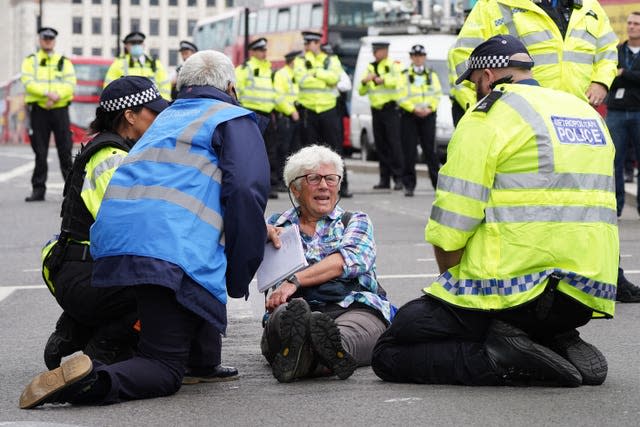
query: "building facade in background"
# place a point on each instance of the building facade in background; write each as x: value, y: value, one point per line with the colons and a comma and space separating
x: 89, y: 27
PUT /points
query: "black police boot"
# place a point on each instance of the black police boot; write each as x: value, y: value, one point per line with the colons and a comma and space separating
x: 520, y: 361
x: 217, y: 374
x: 294, y: 358
x: 60, y: 385
x: 589, y: 361
x: 68, y: 338
x: 326, y: 342
x: 37, y: 195
x: 626, y: 291
x: 382, y: 185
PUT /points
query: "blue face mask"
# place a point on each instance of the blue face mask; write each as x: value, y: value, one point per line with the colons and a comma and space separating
x: 137, y: 50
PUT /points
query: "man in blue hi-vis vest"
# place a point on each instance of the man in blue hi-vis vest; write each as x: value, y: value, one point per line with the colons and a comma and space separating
x: 182, y: 222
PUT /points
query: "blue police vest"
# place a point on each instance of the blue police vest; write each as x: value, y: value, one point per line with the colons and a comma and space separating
x: 163, y: 201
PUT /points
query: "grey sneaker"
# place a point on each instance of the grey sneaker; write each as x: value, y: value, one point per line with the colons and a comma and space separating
x: 294, y: 358
x: 587, y: 359
x: 327, y: 344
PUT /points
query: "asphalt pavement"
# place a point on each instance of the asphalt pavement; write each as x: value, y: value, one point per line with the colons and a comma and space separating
x: 405, y: 265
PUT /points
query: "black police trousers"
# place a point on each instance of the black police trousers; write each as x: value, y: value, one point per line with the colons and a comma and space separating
x: 431, y: 342
x: 43, y: 122
x: 418, y: 130
x: 103, y: 318
x: 387, y: 134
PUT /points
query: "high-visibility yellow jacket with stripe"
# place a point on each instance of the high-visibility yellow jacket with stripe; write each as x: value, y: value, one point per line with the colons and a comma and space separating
x: 43, y: 73
x: 317, y: 77
x: 286, y: 88
x: 527, y: 191
x: 150, y: 68
x: 389, y: 90
x: 254, y: 82
x: 461, y: 94
x: 586, y: 54
x: 420, y: 90
x: 85, y: 189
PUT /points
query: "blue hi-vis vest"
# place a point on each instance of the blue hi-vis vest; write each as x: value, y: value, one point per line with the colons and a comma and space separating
x: 163, y: 201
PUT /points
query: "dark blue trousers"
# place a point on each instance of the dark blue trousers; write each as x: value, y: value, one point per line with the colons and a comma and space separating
x: 171, y: 338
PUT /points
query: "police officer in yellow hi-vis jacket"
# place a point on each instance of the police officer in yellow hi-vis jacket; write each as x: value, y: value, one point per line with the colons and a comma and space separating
x: 419, y: 101
x: 134, y: 62
x: 318, y: 75
x: 528, y: 180
x: 254, y: 83
x: 382, y: 82
x: 49, y: 81
x: 571, y: 41
x: 287, y: 116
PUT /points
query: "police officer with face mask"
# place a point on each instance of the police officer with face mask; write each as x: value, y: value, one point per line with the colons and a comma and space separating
x: 134, y: 62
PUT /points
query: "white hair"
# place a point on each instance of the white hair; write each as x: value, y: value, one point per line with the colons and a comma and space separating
x: 309, y: 159
x: 207, y: 68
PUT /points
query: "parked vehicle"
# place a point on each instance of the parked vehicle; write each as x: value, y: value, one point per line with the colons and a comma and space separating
x: 437, y: 46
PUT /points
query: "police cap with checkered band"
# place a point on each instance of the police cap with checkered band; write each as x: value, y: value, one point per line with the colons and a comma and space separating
x: 496, y: 53
x: 131, y: 91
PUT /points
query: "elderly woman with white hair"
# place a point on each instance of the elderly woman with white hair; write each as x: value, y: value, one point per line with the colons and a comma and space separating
x: 325, y: 319
x: 201, y: 168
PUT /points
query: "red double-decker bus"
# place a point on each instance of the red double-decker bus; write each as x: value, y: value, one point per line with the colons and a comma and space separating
x: 341, y: 23
x: 14, y: 121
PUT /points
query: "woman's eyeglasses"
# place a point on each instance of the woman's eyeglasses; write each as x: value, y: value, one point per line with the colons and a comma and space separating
x: 315, y: 178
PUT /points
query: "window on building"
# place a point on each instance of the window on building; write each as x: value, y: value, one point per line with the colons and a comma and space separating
x: 135, y: 24
x: 191, y: 24
x: 115, y: 1
x: 154, y: 27
x: 192, y: 3
x: 96, y: 51
x: 76, y: 24
x: 135, y: 2
x: 211, y: 3
x: 114, y: 52
x: 155, y: 53
x: 173, y: 27
x: 76, y: 51
x: 173, y: 2
x: 228, y: 3
x: 76, y: 2
x: 96, y: 1
x: 114, y: 25
x: 173, y: 57
x: 154, y: 2
x: 96, y: 25
x: 284, y: 19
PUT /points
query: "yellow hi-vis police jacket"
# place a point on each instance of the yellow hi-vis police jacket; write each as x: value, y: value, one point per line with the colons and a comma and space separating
x: 286, y: 89
x: 151, y: 68
x: 254, y: 82
x: 43, y: 73
x: 527, y: 191
x: 586, y: 54
x: 389, y: 90
x: 317, y: 77
x: 420, y: 90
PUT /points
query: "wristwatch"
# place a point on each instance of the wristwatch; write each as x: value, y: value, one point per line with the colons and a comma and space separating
x: 293, y: 279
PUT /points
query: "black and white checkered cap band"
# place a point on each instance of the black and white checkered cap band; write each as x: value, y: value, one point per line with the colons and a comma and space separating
x: 492, y: 61
x: 131, y: 100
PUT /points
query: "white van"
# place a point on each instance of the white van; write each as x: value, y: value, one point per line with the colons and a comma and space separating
x: 437, y: 46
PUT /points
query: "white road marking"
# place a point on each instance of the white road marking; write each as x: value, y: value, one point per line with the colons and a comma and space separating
x: 16, y: 172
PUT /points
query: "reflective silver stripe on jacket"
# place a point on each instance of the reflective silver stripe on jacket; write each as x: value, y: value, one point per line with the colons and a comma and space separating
x: 570, y: 181
x: 584, y: 35
x: 171, y: 195
x: 606, y: 39
x: 454, y: 220
x: 463, y: 187
x: 545, y: 58
x: 537, y: 123
x: 468, y: 42
x: 507, y: 19
x: 537, y: 37
x: 109, y: 163
x: 182, y: 155
x: 611, y: 55
x: 550, y: 214
x: 578, y: 57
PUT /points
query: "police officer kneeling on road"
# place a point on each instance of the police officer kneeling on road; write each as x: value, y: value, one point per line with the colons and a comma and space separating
x: 98, y: 321
x: 525, y: 235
